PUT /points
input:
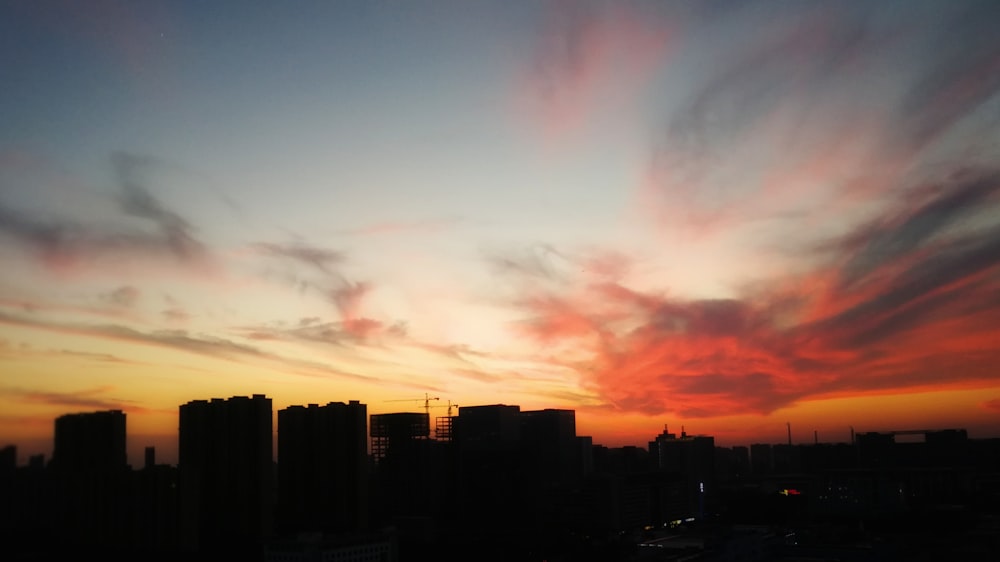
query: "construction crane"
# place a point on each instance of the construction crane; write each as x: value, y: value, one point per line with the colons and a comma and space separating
x: 450, y: 407
x: 426, y: 399
x: 443, y: 426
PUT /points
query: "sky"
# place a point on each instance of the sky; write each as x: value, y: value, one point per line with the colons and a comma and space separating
x: 727, y: 216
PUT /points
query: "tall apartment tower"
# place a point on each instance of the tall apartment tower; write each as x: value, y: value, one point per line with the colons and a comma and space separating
x: 488, y: 440
x: 405, y: 466
x: 89, y: 474
x: 225, y: 474
x: 323, y: 467
x: 692, y: 456
x: 549, y: 447
x: 89, y: 442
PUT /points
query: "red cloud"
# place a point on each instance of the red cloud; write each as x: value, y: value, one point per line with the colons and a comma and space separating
x: 907, y: 302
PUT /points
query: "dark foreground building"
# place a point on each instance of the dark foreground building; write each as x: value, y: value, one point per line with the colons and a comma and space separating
x: 89, y: 478
x: 225, y: 475
x: 323, y: 468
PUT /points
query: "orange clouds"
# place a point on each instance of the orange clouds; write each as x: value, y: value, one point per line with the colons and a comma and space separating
x: 907, y: 302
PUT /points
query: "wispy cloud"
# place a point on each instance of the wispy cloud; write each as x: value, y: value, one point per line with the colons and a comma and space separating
x: 906, y: 302
x: 321, y: 259
x: 182, y: 340
x: 806, y: 116
x: 90, y: 399
x: 125, y: 296
x: 177, y: 234
x: 323, y: 274
x: 588, y: 52
x: 67, y: 243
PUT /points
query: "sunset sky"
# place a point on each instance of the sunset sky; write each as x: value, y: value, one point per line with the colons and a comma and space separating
x: 723, y: 215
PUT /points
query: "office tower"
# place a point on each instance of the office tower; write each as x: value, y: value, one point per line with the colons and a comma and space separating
x: 225, y: 474
x: 89, y: 475
x: 323, y: 467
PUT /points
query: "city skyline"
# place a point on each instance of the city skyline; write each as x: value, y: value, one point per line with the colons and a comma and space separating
x: 526, y: 475
x: 166, y: 450
x: 723, y: 216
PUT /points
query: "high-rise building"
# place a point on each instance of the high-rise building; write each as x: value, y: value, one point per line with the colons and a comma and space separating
x: 549, y: 446
x: 225, y: 474
x: 397, y: 431
x: 488, y: 440
x: 692, y: 456
x: 88, y: 442
x: 490, y: 427
x: 323, y: 467
x: 89, y: 473
x: 410, y: 469
x: 761, y: 459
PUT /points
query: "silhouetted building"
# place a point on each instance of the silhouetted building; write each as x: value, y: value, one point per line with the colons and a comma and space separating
x: 824, y: 456
x: 36, y: 461
x: 585, y: 454
x: 226, y: 474
x: 627, y: 490
x: 761, y: 460
x: 741, y: 455
x: 8, y: 459
x: 488, y: 439
x: 154, y: 507
x: 8, y: 498
x: 89, y: 474
x: 323, y: 467
x: 27, y: 504
x: 413, y: 474
x: 694, y: 458
x: 787, y: 458
x: 621, y: 460
x: 397, y: 430
x: 492, y: 428
x: 549, y: 447
x: 920, y: 448
x: 731, y: 464
x: 90, y: 442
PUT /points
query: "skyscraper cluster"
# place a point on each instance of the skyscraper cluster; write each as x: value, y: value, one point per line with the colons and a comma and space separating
x: 499, y: 476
